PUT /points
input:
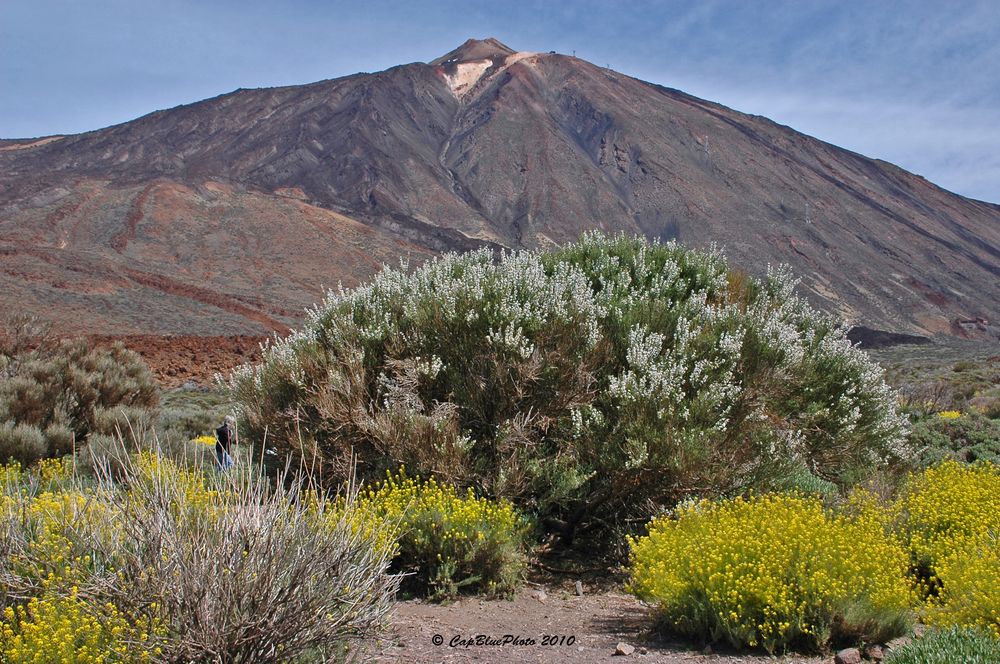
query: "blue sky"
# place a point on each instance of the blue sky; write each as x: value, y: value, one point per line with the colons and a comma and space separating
x: 915, y: 83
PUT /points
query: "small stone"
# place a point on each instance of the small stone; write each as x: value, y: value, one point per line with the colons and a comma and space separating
x: 579, y: 589
x: 581, y: 648
x: 875, y: 653
x: 624, y: 649
x: 707, y: 650
x: 539, y: 595
x: 898, y: 643
x: 643, y: 651
x: 848, y: 656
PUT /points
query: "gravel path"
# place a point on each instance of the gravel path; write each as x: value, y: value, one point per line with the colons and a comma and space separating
x: 579, y: 629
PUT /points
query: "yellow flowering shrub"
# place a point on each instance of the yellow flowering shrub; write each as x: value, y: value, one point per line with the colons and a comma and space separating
x: 950, y: 517
x: 54, y: 470
x: 773, y: 571
x: 449, y: 540
x: 52, y: 536
x: 66, y: 629
x: 949, y: 414
x: 947, y: 508
x: 969, y: 595
x: 361, y: 519
x: 205, y: 440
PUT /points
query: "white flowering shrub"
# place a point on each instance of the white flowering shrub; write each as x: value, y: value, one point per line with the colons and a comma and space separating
x: 589, y: 385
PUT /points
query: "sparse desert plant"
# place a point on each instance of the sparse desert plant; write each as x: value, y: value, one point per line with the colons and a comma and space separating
x: 266, y: 576
x: 165, y: 562
x: 949, y: 646
x: 590, y: 386
x: 774, y: 571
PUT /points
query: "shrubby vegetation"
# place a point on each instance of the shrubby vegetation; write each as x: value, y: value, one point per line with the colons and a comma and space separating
x: 966, y: 437
x: 55, y: 394
x: 774, y: 571
x: 589, y: 386
x: 185, y: 414
x: 968, y: 646
x: 949, y: 516
x: 170, y: 564
x: 446, y: 542
x: 148, y: 560
x: 782, y: 571
x: 969, y: 385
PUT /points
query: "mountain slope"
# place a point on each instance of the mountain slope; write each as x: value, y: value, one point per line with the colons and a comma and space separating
x: 229, y: 215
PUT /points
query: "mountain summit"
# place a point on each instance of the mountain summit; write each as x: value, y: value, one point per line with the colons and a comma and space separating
x: 475, y: 49
x: 232, y: 214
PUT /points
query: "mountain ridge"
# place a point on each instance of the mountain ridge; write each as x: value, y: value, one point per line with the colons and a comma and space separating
x: 488, y: 146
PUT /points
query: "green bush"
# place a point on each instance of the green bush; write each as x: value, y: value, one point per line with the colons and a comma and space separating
x: 22, y: 443
x: 775, y: 571
x: 968, y: 438
x: 64, y: 391
x: 968, y: 646
x: 590, y: 386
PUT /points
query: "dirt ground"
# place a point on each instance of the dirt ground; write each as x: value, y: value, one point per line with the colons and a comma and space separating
x: 583, y: 629
x: 179, y: 359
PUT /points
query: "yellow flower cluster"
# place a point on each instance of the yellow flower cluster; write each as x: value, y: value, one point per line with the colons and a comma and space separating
x: 772, y: 570
x: 949, y: 414
x: 10, y: 477
x: 66, y: 629
x: 54, y: 535
x: 947, y: 508
x: 69, y: 553
x: 450, y: 539
x: 364, y: 521
x: 56, y: 551
x: 950, y: 517
x: 54, y: 470
x: 970, y: 588
x: 205, y: 440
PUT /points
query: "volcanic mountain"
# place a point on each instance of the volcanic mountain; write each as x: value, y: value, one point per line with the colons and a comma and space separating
x: 230, y: 215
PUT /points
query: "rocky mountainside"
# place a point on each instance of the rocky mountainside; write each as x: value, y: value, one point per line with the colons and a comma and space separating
x: 229, y: 215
